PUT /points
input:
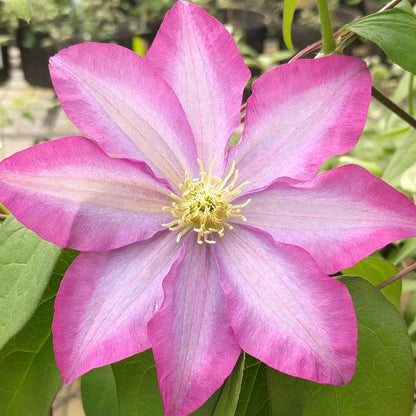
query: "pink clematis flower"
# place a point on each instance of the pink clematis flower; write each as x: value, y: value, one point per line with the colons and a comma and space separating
x: 182, y: 252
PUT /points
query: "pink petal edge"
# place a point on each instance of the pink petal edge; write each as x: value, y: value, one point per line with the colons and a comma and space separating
x: 105, y: 302
x: 114, y: 96
x: 339, y: 217
x: 192, y: 341
x: 284, y: 310
x: 299, y: 115
x: 74, y: 195
x: 199, y: 59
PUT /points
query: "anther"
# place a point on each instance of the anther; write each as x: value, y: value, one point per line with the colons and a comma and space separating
x: 205, y: 204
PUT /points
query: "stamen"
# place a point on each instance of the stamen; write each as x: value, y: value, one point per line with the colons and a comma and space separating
x: 205, y: 204
x: 228, y: 176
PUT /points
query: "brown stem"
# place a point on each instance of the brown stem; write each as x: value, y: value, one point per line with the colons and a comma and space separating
x: 398, y: 276
x: 390, y: 5
x: 3, y: 217
x: 243, y: 112
x: 393, y: 107
x: 313, y: 47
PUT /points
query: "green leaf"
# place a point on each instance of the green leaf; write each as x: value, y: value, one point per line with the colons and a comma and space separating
x: 384, y: 378
x: 208, y: 408
x: 372, y: 167
x: 227, y: 403
x: 406, y: 6
x: 138, y: 391
x: 289, y: 7
x: 403, y: 158
x: 254, y: 399
x: 26, y: 263
x: 21, y: 8
x: 137, y: 388
x: 408, y: 249
x: 409, y: 285
x: 99, y: 393
x: 286, y: 394
x: 408, y: 179
x: 377, y: 271
x: 29, y: 377
x: 394, y: 31
x: 3, y: 210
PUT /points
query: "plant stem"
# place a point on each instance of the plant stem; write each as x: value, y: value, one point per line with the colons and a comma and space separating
x: 313, y: 47
x: 347, y: 39
x: 390, y: 5
x: 379, y: 96
x: 398, y: 276
x: 410, y: 98
x: 328, y: 43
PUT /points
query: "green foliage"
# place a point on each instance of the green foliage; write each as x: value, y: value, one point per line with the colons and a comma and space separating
x: 376, y: 271
x: 2, y: 207
x: 51, y: 21
x: 26, y: 263
x: 21, y: 8
x: 98, y: 391
x: 383, y: 381
x: 254, y: 397
x: 138, y: 393
x: 408, y: 249
x: 228, y: 400
x: 394, y: 31
x: 289, y: 7
x: 137, y: 388
x: 29, y: 378
x: 402, y: 161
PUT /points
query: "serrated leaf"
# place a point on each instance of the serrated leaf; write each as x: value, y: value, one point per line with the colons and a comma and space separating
x: 377, y: 271
x: 99, y: 393
x: 21, y: 8
x: 29, y: 377
x: 384, y: 378
x: 394, y: 31
x: 289, y: 7
x: 137, y: 388
x: 26, y: 263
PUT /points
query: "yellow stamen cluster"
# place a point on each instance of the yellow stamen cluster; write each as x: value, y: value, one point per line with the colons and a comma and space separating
x: 205, y: 204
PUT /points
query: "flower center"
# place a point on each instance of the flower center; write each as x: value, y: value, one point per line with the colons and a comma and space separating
x: 205, y: 204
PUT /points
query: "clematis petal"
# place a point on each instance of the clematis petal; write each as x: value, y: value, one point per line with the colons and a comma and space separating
x: 284, y: 310
x: 71, y: 193
x: 299, y: 115
x: 105, y: 302
x: 200, y: 61
x: 339, y: 217
x: 114, y: 96
x: 192, y: 341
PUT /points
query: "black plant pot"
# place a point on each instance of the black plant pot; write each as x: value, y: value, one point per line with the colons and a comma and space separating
x: 151, y: 30
x: 35, y: 57
x: 4, y: 64
x: 253, y: 25
x: 122, y: 38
